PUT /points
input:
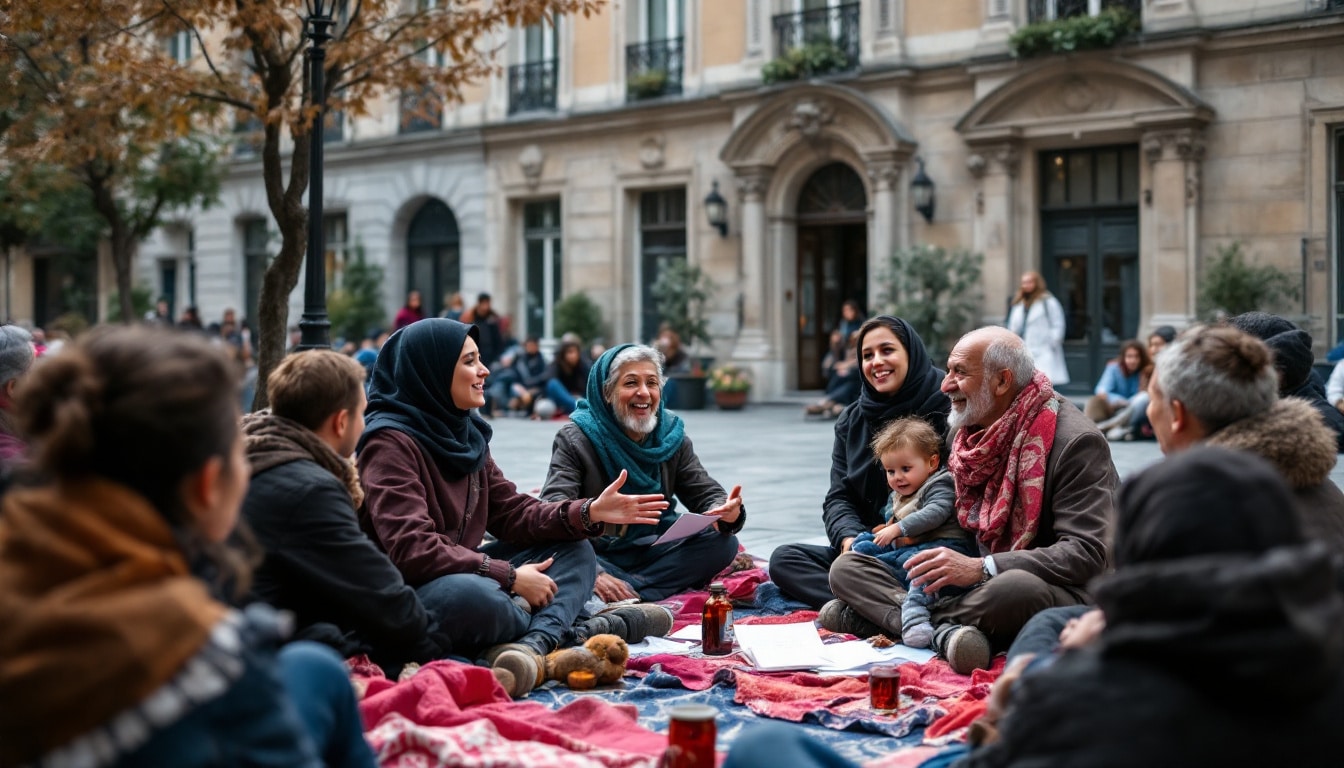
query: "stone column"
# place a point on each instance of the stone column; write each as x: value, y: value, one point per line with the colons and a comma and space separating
x: 1169, y: 239
x: 995, y: 168
x: 754, y: 348
x: 883, y: 231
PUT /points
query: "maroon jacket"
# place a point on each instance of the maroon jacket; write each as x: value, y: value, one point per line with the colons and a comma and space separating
x: 431, y: 526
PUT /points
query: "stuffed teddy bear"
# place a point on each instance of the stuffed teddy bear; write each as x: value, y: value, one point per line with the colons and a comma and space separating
x: 599, y: 661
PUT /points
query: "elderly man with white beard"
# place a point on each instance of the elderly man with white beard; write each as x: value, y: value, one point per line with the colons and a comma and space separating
x: 622, y: 426
x: 1035, y: 488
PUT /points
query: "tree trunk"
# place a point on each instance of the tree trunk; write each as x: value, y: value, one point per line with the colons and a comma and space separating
x: 121, y: 240
x: 123, y: 249
x: 286, y: 202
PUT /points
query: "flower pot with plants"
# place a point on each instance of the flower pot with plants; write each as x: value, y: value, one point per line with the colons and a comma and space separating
x: 730, y: 385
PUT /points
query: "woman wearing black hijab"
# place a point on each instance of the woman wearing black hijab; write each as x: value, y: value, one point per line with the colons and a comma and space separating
x: 898, y: 380
x: 432, y: 492
x: 1223, y: 641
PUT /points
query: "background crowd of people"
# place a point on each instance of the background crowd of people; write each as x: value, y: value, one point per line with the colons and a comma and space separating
x: 971, y: 509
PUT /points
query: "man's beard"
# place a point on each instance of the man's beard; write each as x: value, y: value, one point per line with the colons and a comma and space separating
x: 972, y: 411
x: 633, y: 423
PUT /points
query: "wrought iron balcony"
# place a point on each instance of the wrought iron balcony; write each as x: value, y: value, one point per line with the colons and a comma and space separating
x: 653, y: 69
x: 1045, y: 10
x: 420, y: 112
x: 532, y: 86
x: 825, y: 39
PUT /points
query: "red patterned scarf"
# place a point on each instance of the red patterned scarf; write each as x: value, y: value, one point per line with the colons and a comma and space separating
x: 1000, y: 470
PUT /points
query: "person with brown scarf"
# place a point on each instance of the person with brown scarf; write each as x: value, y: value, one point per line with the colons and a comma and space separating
x: 1035, y: 486
x: 343, y: 590
x: 117, y: 647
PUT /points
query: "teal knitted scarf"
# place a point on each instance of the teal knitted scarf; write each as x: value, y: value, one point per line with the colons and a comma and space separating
x: 642, y: 461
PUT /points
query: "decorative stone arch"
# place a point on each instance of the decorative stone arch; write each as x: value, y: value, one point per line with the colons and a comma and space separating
x: 1068, y: 96
x: 1080, y: 101
x: 772, y: 153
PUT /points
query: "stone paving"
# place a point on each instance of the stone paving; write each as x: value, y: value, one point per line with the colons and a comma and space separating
x: 781, y: 460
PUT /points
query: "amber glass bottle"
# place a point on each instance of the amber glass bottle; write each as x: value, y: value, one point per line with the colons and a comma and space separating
x: 716, y: 622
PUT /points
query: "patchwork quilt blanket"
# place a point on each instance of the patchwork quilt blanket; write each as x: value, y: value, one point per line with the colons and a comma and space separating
x: 455, y: 714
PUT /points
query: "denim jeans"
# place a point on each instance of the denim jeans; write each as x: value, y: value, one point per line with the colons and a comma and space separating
x: 474, y: 612
x: 319, y: 685
x: 665, y: 570
x: 564, y: 401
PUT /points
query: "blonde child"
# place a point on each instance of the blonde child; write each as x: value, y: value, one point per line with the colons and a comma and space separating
x: 921, y: 514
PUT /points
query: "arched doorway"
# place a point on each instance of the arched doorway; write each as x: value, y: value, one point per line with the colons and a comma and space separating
x: 832, y: 261
x: 433, y: 255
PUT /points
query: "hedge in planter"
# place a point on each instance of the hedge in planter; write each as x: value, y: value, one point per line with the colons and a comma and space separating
x: 817, y: 58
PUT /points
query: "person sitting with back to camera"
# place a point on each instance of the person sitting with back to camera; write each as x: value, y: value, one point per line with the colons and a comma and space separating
x: 920, y: 515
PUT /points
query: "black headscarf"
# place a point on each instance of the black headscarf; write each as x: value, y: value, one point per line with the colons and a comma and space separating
x: 919, y: 395
x: 1204, y: 501
x: 411, y: 392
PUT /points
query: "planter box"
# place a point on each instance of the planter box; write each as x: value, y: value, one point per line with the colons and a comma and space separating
x: 730, y: 401
x: 685, y: 392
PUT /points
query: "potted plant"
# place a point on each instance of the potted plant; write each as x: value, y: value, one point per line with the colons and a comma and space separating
x: 680, y: 293
x: 730, y: 385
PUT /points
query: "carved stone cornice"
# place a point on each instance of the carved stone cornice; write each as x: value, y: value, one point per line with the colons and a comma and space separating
x: 531, y: 161
x: 977, y: 165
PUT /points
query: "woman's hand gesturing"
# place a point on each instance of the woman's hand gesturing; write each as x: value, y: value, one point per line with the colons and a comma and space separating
x: 620, y: 509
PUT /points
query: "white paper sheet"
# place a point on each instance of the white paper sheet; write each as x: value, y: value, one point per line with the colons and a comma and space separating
x: 655, y: 645
x: 686, y: 524
x: 897, y: 654
x: 779, y: 647
x: 688, y: 632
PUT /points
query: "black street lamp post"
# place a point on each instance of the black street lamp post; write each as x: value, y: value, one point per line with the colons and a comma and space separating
x: 314, y: 325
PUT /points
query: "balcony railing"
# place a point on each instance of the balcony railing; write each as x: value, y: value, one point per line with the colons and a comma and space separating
x: 653, y: 69
x: 532, y: 86
x: 1045, y: 10
x: 834, y: 30
x: 420, y: 112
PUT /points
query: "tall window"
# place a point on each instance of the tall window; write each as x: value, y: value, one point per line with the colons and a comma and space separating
x: 661, y: 19
x: 1048, y: 10
x: 336, y: 241
x: 168, y: 285
x: 178, y: 46
x: 662, y: 238
x: 542, y: 265
x: 256, y: 257
x: 532, y: 82
x: 653, y: 65
x: 423, y: 110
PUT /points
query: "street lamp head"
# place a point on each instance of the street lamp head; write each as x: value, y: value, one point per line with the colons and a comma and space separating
x: 320, y: 9
x: 716, y: 210
x: 921, y: 192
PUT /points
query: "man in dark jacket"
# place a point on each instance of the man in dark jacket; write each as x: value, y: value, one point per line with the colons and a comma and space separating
x: 487, y: 323
x: 1293, y: 359
x: 301, y: 505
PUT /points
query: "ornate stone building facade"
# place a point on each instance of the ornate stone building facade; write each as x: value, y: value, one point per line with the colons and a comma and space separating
x: 584, y: 165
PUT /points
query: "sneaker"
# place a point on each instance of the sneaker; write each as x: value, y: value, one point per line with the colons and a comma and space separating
x: 1118, y: 434
x: 837, y: 616
x: 965, y: 648
x: 517, y: 667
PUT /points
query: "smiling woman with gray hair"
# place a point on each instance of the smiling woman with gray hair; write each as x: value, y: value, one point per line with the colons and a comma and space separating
x: 16, y: 357
x: 622, y: 424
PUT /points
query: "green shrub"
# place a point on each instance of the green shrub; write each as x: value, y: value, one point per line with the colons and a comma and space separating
x: 936, y: 292
x: 808, y: 60
x: 578, y: 314
x: 142, y: 301
x: 1076, y: 33
x: 357, y: 308
x: 680, y: 294
x: 1229, y: 286
x: 647, y: 84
